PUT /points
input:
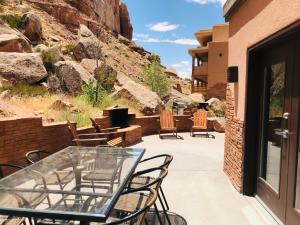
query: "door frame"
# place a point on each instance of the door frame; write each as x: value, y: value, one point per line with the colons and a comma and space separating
x: 252, y: 108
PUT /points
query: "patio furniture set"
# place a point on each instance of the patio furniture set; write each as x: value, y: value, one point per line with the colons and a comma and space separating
x: 84, y: 185
x: 169, y: 124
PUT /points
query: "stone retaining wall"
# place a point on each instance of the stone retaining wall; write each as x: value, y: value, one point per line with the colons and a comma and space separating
x: 234, y: 147
x: 20, y: 135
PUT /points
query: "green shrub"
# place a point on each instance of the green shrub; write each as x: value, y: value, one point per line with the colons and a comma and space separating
x: 82, y: 120
x: 94, y: 94
x: 25, y: 90
x: 156, y: 79
x: 2, y: 2
x: 69, y: 47
x: 48, y: 57
x: 43, y: 42
x: 14, y: 21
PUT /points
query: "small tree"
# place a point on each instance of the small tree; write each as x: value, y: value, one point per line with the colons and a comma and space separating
x: 156, y: 79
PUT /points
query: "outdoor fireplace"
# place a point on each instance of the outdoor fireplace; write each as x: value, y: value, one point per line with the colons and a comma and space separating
x: 119, y: 117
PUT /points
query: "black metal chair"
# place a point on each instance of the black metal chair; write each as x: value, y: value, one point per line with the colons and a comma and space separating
x: 10, y: 167
x: 4, y: 167
x: 138, y: 217
x: 61, y: 178
x: 151, y: 182
x: 141, y: 181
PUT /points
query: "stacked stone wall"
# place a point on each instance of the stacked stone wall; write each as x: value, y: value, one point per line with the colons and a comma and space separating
x: 234, y: 144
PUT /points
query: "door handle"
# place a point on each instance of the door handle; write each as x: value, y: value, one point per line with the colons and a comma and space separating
x: 286, y: 115
x: 284, y: 134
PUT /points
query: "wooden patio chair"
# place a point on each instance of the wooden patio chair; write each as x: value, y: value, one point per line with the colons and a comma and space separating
x: 199, y: 122
x: 115, y: 138
x: 99, y: 129
x: 168, y: 123
x: 81, y: 140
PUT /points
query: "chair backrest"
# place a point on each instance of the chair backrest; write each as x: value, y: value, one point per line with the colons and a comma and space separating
x: 35, y: 156
x: 95, y: 125
x: 73, y: 132
x: 9, y: 168
x: 167, y: 159
x: 200, y: 118
x: 166, y: 119
x: 138, y: 217
x: 154, y: 183
x: 72, y: 129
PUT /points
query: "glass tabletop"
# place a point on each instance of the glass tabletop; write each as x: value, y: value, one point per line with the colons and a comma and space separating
x: 77, y: 183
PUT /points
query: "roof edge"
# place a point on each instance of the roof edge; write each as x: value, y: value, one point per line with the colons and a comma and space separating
x: 230, y: 7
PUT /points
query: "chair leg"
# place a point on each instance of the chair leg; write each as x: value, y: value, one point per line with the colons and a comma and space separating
x: 164, y: 209
x: 164, y: 198
x: 157, y: 213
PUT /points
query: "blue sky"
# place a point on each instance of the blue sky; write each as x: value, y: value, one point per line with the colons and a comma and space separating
x: 167, y: 27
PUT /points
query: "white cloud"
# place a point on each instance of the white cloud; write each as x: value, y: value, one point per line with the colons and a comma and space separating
x: 202, y: 2
x: 182, y: 41
x: 184, y: 68
x: 142, y: 36
x: 185, y: 62
x: 163, y: 26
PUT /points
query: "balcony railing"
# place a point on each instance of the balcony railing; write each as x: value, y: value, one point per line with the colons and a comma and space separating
x: 199, y: 89
x: 201, y: 70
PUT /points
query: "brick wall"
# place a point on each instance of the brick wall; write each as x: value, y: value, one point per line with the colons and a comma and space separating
x: 217, y: 91
x: 20, y: 135
x: 234, y: 149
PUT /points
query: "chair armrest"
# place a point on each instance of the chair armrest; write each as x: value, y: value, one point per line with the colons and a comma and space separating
x: 113, y: 129
x: 87, y: 140
x: 101, y: 134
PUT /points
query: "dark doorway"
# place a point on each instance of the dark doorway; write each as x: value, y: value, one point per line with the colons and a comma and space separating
x: 272, y: 158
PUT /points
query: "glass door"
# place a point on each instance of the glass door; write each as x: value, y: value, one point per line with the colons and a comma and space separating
x: 278, y: 178
x: 275, y: 108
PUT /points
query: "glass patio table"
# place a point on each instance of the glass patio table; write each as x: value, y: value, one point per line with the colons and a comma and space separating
x: 76, y: 183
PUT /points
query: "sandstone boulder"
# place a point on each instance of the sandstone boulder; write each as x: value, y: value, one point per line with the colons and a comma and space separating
x: 32, y: 27
x: 61, y: 105
x: 125, y: 24
x: 53, y: 84
x: 22, y: 67
x: 5, y: 82
x: 88, y: 45
x: 72, y: 75
x: 106, y: 11
x: 217, y: 106
x: 5, y: 95
x: 219, y: 125
x: 148, y: 102
x: 175, y: 95
x: 197, y: 97
x: 12, y: 40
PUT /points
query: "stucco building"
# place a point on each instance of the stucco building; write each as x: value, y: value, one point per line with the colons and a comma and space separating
x: 209, y: 62
x: 262, y: 153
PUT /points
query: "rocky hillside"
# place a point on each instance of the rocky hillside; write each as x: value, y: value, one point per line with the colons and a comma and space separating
x: 56, y: 43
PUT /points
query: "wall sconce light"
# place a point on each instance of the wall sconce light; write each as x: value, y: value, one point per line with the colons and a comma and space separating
x: 232, y: 74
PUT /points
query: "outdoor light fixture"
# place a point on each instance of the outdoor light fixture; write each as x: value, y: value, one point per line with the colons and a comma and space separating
x: 232, y: 74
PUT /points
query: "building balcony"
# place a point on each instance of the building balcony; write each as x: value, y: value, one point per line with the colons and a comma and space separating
x: 200, y: 71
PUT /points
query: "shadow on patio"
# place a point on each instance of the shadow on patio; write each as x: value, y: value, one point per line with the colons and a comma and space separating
x: 196, y: 187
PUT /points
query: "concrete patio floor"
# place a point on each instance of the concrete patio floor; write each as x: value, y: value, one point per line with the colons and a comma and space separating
x: 196, y: 186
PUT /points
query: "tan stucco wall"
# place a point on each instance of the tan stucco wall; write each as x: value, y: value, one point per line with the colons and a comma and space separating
x: 217, y: 64
x: 220, y: 32
x: 254, y: 21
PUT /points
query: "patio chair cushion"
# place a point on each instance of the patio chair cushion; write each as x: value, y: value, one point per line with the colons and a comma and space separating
x: 141, y: 181
x: 130, y: 203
